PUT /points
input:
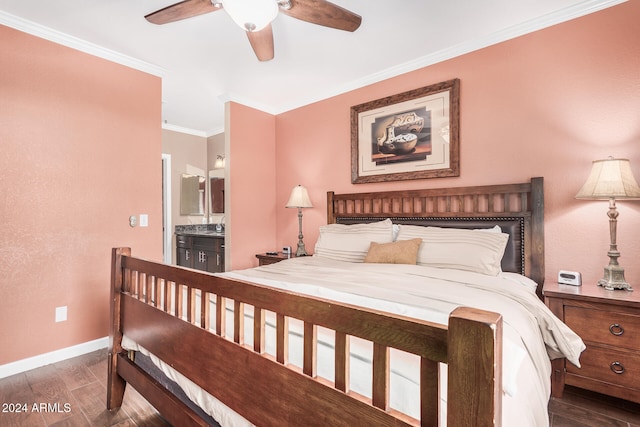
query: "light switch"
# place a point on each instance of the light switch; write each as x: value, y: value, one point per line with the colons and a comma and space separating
x: 144, y: 220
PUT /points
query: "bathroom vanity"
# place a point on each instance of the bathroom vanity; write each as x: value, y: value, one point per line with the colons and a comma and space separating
x: 200, y: 247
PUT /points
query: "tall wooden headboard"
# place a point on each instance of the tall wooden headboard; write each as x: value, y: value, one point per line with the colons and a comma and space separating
x: 517, y: 208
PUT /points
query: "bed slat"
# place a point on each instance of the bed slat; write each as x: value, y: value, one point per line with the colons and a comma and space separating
x: 258, y: 330
x: 149, y: 290
x: 429, y: 396
x: 191, y: 306
x: 177, y: 309
x: 238, y: 322
x: 168, y: 292
x: 158, y: 292
x: 341, y: 361
x: 380, y: 391
x: 221, y: 319
x: 205, y: 318
x: 310, y: 355
x: 282, y: 339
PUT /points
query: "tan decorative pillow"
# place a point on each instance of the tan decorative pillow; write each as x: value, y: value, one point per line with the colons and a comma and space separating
x: 403, y: 252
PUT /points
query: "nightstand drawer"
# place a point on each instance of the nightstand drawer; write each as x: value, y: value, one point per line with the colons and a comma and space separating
x: 604, y: 327
x: 272, y: 258
x: 613, y: 367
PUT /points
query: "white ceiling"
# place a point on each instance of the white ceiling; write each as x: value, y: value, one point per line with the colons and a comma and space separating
x: 207, y: 60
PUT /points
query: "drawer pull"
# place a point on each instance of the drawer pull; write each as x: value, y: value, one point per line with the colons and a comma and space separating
x: 617, y: 368
x: 616, y: 329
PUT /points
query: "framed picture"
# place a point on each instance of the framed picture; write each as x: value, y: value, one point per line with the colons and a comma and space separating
x: 412, y: 135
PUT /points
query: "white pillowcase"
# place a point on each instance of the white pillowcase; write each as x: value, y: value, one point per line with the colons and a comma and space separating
x: 471, y: 250
x: 351, y: 243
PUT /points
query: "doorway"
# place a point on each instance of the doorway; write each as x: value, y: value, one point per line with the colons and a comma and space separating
x: 167, y: 247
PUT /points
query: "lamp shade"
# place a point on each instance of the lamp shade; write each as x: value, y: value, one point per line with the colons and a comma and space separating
x: 299, y: 198
x: 610, y: 178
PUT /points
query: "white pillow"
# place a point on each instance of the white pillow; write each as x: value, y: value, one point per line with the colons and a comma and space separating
x: 471, y: 250
x: 494, y: 229
x: 351, y: 243
x: 396, y: 230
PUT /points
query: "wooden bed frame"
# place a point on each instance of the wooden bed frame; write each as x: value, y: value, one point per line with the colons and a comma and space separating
x: 147, y: 303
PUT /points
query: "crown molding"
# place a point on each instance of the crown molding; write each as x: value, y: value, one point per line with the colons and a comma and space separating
x: 545, y: 21
x: 233, y: 97
x: 61, y: 38
x: 188, y: 131
x: 215, y: 131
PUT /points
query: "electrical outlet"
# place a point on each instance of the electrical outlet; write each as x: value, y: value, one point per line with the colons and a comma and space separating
x: 61, y: 314
x: 133, y: 221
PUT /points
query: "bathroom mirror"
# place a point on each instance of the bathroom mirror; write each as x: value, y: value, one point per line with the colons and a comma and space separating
x: 192, y: 194
x: 217, y: 194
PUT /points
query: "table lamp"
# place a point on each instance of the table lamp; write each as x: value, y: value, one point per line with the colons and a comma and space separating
x: 299, y: 199
x: 611, y: 179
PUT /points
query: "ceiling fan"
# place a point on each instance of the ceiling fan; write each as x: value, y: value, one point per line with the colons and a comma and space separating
x: 255, y: 16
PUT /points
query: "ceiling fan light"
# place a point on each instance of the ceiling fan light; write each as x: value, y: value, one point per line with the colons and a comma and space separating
x: 251, y: 15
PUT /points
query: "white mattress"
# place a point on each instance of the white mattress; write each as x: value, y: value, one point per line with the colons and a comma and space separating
x: 532, y: 335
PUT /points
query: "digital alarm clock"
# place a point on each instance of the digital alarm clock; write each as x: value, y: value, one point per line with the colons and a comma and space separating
x: 569, y: 278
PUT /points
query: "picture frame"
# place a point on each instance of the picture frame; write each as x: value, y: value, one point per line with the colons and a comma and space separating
x: 411, y: 135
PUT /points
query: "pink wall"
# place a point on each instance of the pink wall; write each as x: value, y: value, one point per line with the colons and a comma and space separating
x: 250, y: 163
x: 81, y: 147
x: 545, y: 104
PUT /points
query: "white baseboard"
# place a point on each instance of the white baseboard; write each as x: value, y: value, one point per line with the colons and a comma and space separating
x: 52, y: 357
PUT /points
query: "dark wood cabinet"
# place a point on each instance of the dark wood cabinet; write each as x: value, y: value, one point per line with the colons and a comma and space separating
x: 204, y: 253
x: 184, y: 252
x: 609, y: 324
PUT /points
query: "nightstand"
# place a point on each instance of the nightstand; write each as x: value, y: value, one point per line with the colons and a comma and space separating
x: 266, y: 259
x: 609, y: 324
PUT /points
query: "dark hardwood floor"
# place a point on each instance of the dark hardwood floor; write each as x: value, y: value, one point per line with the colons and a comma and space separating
x: 73, y: 393
x: 70, y: 393
x: 584, y: 408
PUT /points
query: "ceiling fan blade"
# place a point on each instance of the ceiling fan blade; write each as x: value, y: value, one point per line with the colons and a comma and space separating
x: 184, y: 9
x: 262, y: 43
x: 322, y: 12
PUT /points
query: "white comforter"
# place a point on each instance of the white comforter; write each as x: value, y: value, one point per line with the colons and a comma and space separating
x: 532, y: 334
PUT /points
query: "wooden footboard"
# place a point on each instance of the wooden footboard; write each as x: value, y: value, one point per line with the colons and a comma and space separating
x: 165, y: 309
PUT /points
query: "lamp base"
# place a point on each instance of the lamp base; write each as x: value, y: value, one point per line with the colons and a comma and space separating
x: 614, y: 279
x: 301, y: 251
